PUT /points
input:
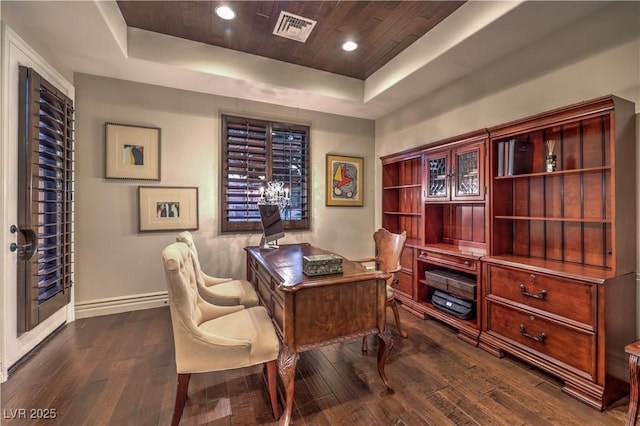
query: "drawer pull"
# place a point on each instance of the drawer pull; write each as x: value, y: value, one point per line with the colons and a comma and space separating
x: 467, y: 263
x: 539, y: 338
x: 541, y: 295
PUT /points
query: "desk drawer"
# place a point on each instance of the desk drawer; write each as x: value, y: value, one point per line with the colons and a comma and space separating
x: 277, y: 314
x: 277, y: 293
x: 544, y: 338
x: 571, y: 299
x: 264, y: 290
x: 449, y: 260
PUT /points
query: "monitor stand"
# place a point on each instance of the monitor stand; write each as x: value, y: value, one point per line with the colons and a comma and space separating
x: 268, y: 245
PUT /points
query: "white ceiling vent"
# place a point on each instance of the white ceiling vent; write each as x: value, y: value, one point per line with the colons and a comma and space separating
x: 293, y: 26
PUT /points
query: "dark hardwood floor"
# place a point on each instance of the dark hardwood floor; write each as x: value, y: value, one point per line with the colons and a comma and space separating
x: 119, y: 370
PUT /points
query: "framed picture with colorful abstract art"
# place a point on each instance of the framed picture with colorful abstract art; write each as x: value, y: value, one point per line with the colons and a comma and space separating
x: 345, y: 177
x: 131, y: 152
x: 167, y: 208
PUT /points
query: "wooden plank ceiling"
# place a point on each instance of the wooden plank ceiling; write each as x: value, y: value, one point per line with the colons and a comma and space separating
x: 382, y: 29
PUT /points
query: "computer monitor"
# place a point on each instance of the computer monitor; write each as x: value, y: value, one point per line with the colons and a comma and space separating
x: 272, y: 225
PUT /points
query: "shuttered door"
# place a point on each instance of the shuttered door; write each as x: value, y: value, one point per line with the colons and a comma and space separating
x: 45, y: 200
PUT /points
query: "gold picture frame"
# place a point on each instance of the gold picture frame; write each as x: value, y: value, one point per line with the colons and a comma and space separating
x: 167, y: 208
x: 344, y: 185
x: 131, y: 152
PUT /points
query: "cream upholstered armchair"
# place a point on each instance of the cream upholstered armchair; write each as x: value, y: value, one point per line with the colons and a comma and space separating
x: 220, y: 291
x: 213, y: 338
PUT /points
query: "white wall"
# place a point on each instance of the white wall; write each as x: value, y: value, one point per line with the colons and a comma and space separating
x: 602, y: 57
x: 114, y: 261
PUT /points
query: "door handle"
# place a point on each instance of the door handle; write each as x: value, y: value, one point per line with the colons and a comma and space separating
x: 27, y: 250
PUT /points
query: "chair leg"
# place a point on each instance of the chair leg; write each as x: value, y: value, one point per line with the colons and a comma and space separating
x: 365, y: 344
x: 634, y: 395
x: 181, y: 398
x: 396, y: 314
x: 272, y: 368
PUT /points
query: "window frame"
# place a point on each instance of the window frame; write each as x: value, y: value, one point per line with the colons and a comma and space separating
x: 249, y: 181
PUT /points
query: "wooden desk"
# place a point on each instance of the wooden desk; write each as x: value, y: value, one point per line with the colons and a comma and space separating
x: 309, y: 312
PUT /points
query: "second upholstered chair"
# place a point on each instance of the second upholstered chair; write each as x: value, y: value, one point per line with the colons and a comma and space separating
x: 213, y: 338
x: 220, y: 291
x: 389, y: 248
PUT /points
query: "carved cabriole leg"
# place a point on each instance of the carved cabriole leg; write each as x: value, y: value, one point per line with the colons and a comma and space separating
x: 181, y: 398
x: 384, y: 347
x: 634, y: 396
x: 287, y: 362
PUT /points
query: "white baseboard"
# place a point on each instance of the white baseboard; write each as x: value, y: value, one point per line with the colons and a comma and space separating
x: 116, y: 305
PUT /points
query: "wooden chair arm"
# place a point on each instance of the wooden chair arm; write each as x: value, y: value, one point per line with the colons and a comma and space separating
x: 367, y: 260
x: 396, y: 269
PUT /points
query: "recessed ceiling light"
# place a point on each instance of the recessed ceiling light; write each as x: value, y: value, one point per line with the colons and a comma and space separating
x: 225, y: 12
x: 350, y: 45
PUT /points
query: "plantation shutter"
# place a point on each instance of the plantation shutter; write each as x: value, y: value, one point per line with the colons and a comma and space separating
x: 45, y: 200
x: 289, y: 148
x: 255, y: 152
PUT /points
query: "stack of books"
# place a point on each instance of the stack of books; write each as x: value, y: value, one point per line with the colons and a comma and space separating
x: 514, y: 157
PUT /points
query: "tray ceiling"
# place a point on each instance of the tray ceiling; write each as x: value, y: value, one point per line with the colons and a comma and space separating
x: 382, y: 29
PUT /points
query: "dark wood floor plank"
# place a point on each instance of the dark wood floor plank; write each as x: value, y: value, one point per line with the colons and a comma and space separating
x: 120, y: 370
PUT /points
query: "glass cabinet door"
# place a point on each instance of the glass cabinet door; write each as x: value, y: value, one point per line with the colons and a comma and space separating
x: 437, y: 176
x: 469, y: 182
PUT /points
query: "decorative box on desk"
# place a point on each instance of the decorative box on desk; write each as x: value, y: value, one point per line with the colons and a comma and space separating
x: 321, y: 264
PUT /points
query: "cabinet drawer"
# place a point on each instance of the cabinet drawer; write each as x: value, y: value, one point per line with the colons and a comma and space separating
x: 568, y: 345
x: 571, y: 299
x: 404, y: 283
x: 449, y: 260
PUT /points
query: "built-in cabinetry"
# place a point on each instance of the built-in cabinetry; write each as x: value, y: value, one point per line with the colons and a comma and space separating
x: 560, y: 277
x: 451, y: 223
x: 455, y: 229
x: 402, y: 210
x: 551, y: 246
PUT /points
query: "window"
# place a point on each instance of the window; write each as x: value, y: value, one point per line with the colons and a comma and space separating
x: 255, y: 152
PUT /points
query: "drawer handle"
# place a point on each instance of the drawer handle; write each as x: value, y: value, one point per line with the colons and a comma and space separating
x: 467, y: 263
x: 539, y: 338
x: 541, y: 295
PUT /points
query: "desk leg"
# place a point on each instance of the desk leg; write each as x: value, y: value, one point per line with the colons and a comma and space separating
x: 384, y: 347
x: 634, y: 395
x: 287, y: 362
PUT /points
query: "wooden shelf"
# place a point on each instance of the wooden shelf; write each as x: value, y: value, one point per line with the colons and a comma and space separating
x: 556, y: 173
x: 593, y: 274
x: 411, y: 185
x: 555, y: 219
x: 404, y: 213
